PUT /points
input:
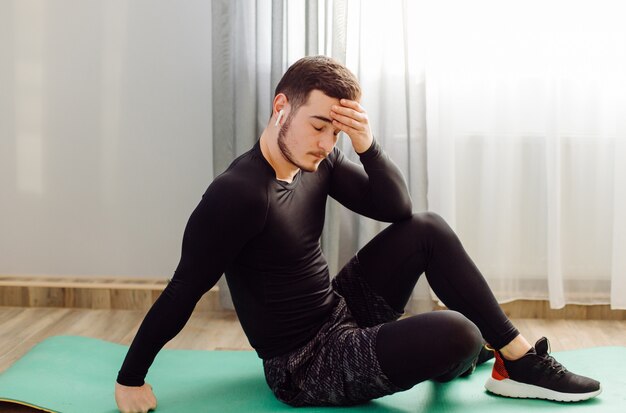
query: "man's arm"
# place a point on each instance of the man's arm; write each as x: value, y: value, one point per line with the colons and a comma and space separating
x: 224, y: 220
x: 377, y: 189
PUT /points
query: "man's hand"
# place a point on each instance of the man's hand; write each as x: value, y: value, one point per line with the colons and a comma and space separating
x: 351, y: 118
x: 135, y: 399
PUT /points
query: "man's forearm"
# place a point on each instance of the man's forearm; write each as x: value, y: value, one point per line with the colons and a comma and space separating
x: 166, y: 318
x: 376, y: 190
x: 387, y: 187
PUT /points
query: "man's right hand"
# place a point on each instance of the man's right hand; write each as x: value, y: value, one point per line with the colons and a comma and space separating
x: 132, y: 399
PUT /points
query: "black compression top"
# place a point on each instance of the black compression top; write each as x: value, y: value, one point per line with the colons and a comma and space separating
x: 264, y: 234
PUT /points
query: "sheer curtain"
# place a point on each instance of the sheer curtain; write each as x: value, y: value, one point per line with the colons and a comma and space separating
x: 508, y: 120
x: 522, y: 108
x: 253, y: 44
x: 505, y: 119
x: 525, y: 109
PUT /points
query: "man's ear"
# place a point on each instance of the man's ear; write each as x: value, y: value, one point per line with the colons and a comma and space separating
x: 280, y: 108
x: 280, y: 103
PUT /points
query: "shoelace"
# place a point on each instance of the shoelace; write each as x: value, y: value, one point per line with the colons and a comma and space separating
x: 551, y: 366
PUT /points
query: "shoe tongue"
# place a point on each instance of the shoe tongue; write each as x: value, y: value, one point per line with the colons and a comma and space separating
x: 542, y: 346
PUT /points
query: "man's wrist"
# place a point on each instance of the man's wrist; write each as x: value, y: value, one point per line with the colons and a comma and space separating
x: 371, y: 152
x: 362, y: 147
x: 123, y: 381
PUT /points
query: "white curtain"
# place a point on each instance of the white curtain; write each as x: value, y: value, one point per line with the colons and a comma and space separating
x: 507, y: 118
x: 525, y: 116
x: 254, y: 41
x: 517, y: 110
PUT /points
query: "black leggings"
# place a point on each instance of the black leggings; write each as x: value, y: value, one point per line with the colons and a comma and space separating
x: 442, y: 344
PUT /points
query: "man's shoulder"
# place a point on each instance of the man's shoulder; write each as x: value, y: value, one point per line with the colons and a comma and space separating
x: 243, y: 181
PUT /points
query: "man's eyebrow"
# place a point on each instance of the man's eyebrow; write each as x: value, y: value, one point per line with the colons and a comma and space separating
x: 322, y: 118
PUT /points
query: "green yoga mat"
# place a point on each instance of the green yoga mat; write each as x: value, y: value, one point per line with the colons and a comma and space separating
x: 71, y: 374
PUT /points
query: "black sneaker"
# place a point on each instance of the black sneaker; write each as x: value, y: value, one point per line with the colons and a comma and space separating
x: 538, y: 375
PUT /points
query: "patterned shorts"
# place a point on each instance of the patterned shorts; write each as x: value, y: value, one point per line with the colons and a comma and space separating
x: 339, y: 365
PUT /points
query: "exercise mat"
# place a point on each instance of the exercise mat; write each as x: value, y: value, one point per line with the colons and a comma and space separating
x: 70, y: 374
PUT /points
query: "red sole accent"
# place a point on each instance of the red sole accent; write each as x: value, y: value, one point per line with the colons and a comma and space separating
x: 499, y: 371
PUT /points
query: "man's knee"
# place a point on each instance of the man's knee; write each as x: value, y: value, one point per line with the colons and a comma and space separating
x: 466, y: 339
x: 429, y: 223
x: 463, y: 347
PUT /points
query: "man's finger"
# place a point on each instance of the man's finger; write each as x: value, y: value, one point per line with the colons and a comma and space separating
x: 345, y: 128
x: 348, y: 121
x: 351, y: 113
x: 353, y: 104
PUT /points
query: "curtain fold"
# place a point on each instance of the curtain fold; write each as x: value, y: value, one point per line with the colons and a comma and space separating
x: 297, y: 28
x: 525, y: 143
x: 618, y: 259
x: 507, y: 122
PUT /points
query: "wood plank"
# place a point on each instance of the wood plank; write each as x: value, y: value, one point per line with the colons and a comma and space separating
x: 13, y: 296
x: 131, y: 299
x: 140, y: 293
x: 541, y: 310
x: 45, y: 297
x: 16, y: 331
x: 96, y: 293
x: 96, y: 283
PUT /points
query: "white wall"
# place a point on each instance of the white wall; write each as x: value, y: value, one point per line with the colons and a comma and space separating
x: 105, y: 133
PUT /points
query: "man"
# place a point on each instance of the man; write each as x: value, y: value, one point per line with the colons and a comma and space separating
x: 339, y: 342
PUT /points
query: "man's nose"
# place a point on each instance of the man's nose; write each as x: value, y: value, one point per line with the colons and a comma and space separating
x: 327, y: 142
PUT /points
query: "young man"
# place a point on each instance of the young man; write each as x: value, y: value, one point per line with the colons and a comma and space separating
x: 336, y: 342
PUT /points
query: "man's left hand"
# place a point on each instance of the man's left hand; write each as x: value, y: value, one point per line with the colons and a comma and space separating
x: 351, y: 118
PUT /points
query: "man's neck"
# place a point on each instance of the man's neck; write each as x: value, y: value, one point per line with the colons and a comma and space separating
x: 284, y: 170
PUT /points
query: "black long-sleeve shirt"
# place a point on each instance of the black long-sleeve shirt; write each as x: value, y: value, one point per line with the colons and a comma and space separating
x: 264, y: 234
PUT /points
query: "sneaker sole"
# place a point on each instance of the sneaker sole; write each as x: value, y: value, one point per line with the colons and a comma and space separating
x: 515, y: 389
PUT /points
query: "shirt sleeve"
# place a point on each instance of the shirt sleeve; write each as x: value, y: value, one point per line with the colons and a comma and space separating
x: 376, y: 189
x: 222, y: 223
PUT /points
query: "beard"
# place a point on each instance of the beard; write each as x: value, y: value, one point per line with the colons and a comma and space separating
x: 284, y: 148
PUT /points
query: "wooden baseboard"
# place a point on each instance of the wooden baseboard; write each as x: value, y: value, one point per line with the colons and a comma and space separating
x: 111, y: 293
x: 117, y: 293
x: 540, y: 309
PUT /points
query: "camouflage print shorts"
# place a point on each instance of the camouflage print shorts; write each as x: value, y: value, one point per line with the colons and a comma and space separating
x: 339, y: 365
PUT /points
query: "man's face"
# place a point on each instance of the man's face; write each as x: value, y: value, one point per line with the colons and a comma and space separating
x: 308, y: 136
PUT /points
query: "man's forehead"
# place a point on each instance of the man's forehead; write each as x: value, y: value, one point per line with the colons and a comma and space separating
x: 319, y: 98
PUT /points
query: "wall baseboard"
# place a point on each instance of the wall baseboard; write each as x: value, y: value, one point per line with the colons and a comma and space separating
x: 120, y: 293
x: 110, y: 293
x: 540, y: 309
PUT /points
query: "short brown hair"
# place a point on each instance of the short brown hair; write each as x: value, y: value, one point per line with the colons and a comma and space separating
x: 317, y: 72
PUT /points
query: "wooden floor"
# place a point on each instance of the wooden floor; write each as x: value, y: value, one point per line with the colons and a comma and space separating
x: 21, y: 328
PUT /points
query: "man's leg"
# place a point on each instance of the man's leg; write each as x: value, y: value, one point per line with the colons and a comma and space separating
x: 391, y: 264
x: 442, y: 344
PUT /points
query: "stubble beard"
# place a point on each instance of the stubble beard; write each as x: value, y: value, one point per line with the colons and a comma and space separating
x: 284, y: 149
